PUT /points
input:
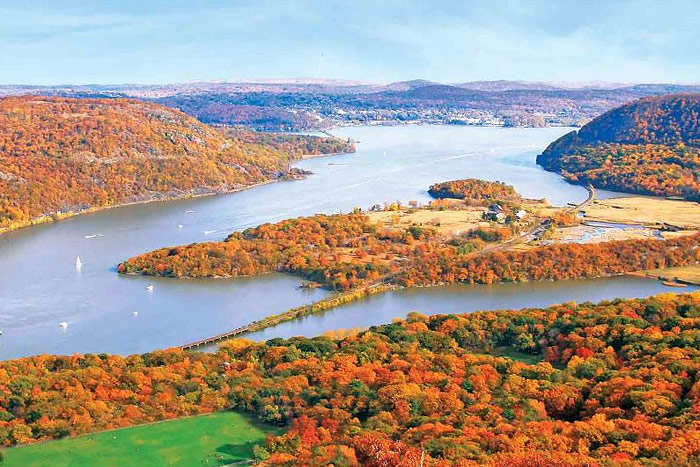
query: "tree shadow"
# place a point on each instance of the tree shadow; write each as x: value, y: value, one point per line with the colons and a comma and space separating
x: 237, y: 452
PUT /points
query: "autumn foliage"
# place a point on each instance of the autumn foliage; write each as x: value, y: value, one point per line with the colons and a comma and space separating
x: 294, y: 145
x: 346, y: 250
x: 340, y: 251
x: 651, y: 146
x: 616, y: 383
x: 551, y: 262
x: 59, y: 155
x: 475, y: 190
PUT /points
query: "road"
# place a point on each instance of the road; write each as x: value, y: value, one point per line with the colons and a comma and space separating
x: 539, y: 228
x: 536, y: 230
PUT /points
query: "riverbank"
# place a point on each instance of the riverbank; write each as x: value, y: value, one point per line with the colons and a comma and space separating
x: 99, y: 304
x: 294, y: 313
x: 683, y: 275
x: 55, y: 217
x: 395, y: 302
x: 448, y: 218
x: 318, y: 156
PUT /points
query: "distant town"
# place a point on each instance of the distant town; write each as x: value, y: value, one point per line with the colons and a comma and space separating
x: 308, y: 105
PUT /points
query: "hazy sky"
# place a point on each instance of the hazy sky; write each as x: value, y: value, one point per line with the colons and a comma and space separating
x: 165, y: 41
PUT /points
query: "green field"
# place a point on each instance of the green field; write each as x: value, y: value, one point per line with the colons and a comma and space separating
x: 215, y: 439
x: 510, y: 352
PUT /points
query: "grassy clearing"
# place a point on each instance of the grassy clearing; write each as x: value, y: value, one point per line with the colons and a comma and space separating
x: 513, y: 354
x: 448, y: 222
x: 215, y: 439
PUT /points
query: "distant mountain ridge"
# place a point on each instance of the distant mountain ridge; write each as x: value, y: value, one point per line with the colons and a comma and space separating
x: 650, y: 146
x: 334, y: 86
x: 301, y: 105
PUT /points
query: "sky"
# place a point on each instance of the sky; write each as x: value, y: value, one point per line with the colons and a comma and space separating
x: 169, y: 41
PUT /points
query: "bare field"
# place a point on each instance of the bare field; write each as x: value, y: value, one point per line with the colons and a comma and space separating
x: 689, y: 274
x: 647, y: 211
x: 447, y: 222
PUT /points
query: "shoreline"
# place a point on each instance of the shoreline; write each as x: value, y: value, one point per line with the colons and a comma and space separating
x: 380, y: 123
x: 338, y: 299
x: 316, y: 156
x: 52, y: 218
x: 155, y: 198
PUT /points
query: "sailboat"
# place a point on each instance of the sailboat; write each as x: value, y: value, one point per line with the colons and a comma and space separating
x: 149, y: 287
x: 78, y: 264
x: 63, y: 324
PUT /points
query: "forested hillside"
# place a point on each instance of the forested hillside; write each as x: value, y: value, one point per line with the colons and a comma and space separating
x: 294, y: 145
x: 346, y: 251
x: 651, y: 146
x: 614, y: 383
x: 475, y: 190
x: 59, y: 155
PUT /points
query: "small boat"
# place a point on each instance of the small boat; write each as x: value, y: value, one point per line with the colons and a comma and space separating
x: 180, y: 226
x: 90, y: 236
x: 134, y: 313
x: 78, y: 264
x: 189, y: 211
x: 149, y: 287
x: 63, y: 324
x: 207, y: 232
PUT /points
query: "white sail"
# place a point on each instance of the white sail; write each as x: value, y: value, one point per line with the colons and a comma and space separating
x: 78, y: 263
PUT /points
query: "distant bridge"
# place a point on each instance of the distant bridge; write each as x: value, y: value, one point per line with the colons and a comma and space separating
x: 248, y: 327
x: 217, y: 338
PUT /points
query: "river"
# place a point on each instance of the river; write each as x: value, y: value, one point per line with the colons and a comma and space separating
x: 461, y: 298
x: 40, y: 286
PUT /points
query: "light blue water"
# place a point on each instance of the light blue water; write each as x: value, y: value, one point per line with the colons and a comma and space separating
x: 40, y: 287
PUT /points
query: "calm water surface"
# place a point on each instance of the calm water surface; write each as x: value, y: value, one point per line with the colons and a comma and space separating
x: 381, y: 309
x: 105, y: 312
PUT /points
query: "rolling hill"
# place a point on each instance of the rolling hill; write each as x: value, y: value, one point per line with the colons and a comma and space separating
x: 299, y: 105
x: 650, y: 146
x: 63, y: 155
